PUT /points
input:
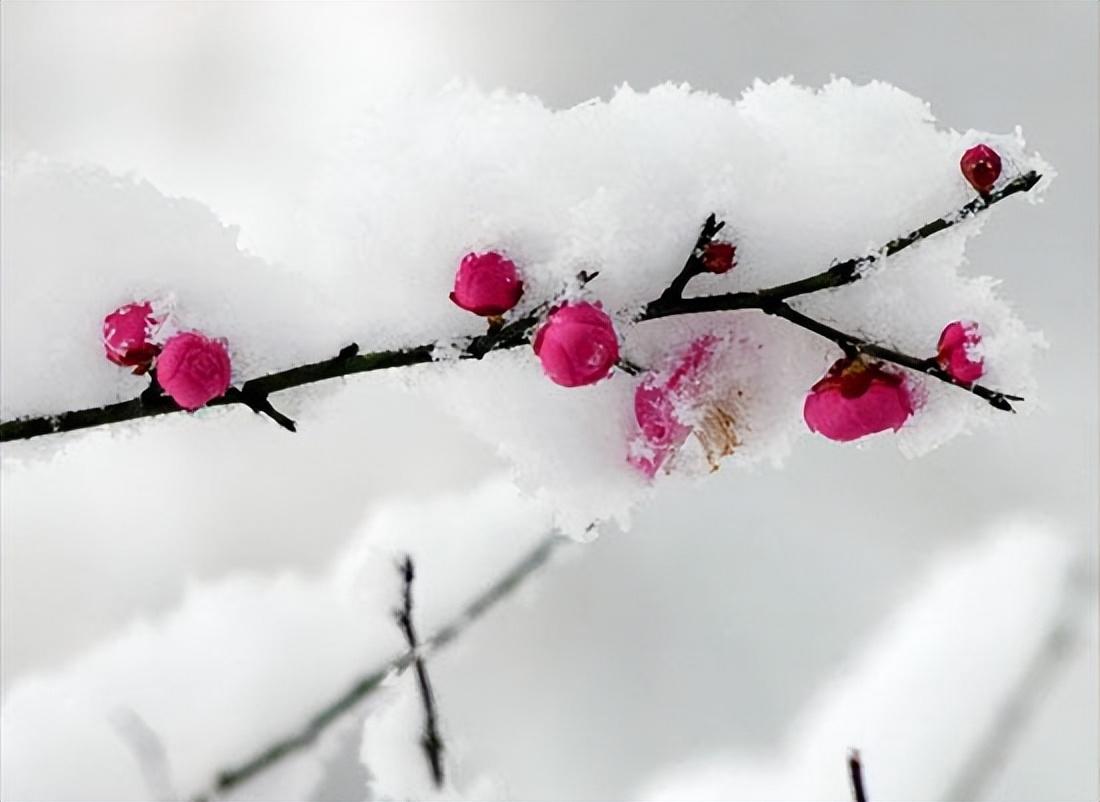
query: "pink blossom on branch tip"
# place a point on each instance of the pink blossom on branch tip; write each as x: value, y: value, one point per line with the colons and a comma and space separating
x: 194, y: 369
x: 955, y: 351
x: 577, y: 344
x: 128, y: 333
x: 857, y: 398
x: 487, y: 284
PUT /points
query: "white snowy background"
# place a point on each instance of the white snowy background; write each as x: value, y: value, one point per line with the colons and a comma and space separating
x: 222, y: 579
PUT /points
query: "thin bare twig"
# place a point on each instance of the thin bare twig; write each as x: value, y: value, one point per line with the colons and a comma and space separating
x: 430, y: 741
x: 1020, y: 705
x: 232, y: 777
x: 855, y: 776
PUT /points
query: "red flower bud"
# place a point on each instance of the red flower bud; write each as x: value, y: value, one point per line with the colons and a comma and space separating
x: 193, y: 369
x: 577, y: 344
x: 955, y: 351
x: 982, y: 167
x: 719, y: 257
x: 127, y: 334
x: 487, y: 284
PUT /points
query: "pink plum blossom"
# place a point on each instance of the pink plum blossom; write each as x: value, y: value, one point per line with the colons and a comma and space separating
x: 487, y: 284
x: 857, y: 398
x: 955, y: 351
x: 577, y: 344
x: 659, y: 404
x: 127, y: 336
x: 981, y: 165
x: 193, y: 369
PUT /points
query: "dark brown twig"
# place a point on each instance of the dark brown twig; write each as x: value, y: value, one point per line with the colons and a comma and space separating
x: 430, y: 741
x: 519, y: 331
x: 855, y: 776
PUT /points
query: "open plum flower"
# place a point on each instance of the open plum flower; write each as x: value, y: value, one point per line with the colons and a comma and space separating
x: 666, y: 405
x: 857, y: 398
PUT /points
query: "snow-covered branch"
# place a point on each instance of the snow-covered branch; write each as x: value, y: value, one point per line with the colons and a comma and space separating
x: 233, y: 776
x: 255, y: 393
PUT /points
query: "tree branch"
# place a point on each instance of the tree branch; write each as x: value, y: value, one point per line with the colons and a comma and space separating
x: 430, y: 741
x: 855, y: 776
x: 230, y: 778
x: 854, y: 345
x: 518, y: 333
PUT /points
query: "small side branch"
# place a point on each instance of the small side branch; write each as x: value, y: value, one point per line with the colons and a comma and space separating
x: 695, y: 263
x: 855, y: 776
x: 430, y: 741
x: 854, y: 345
x: 852, y: 270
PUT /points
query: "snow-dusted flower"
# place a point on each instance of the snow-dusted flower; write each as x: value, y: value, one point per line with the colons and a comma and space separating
x: 857, y: 398
x: 660, y: 403
x: 193, y: 369
x: 128, y: 333
x: 487, y: 284
x: 982, y: 167
x: 577, y: 344
x: 719, y: 257
x: 955, y: 351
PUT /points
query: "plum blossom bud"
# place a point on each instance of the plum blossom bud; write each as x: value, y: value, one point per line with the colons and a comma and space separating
x: 719, y: 257
x: 857, y: 398
x: 661, y: 402
x: 577, y: 344
x: 128, y: 333
x: 193, y: 369
x: 955, y: 351
x: 487, y: 284
x: 982, y: 167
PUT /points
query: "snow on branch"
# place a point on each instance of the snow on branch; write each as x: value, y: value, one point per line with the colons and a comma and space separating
x: 255, y: 393
x: 232, y: 777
